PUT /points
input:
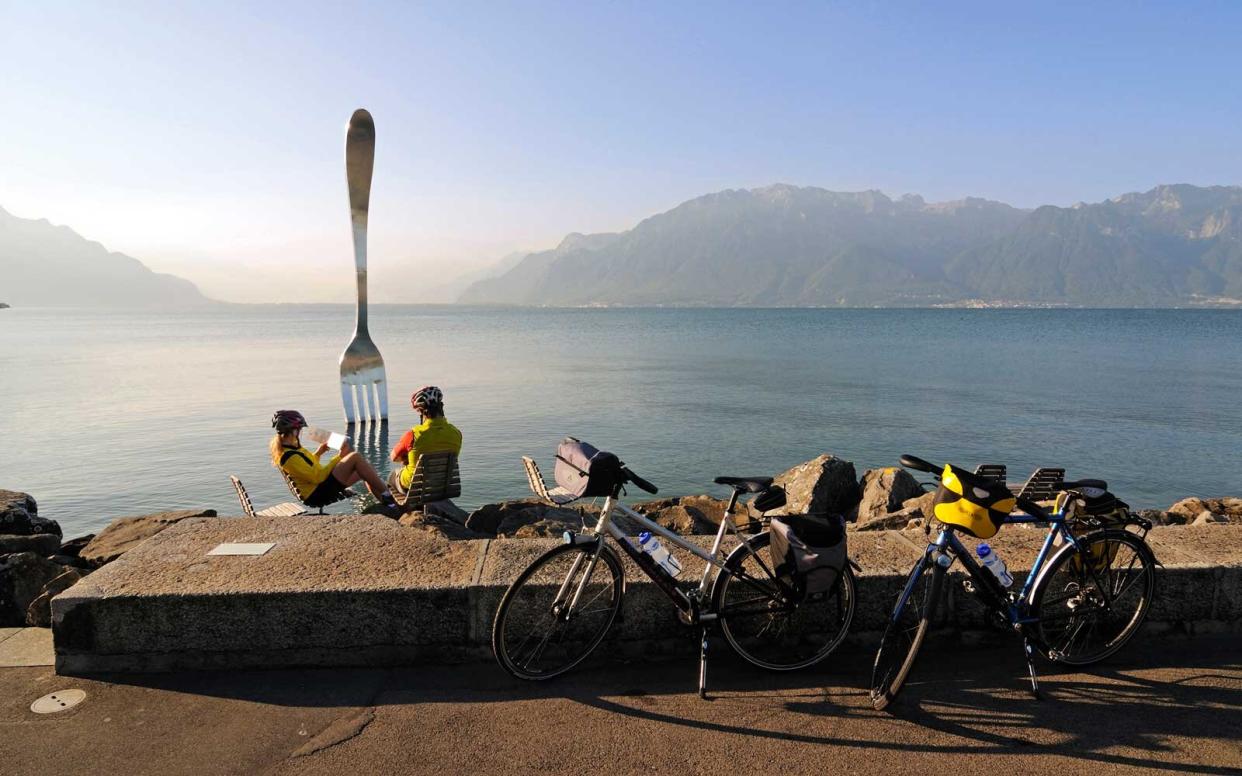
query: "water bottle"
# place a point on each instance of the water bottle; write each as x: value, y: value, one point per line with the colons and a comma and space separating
x: 653, y: 548
x: 994, y: 564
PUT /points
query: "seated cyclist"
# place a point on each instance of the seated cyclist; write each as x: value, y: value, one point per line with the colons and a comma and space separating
x: 320, y: 483
x: 433, y: 435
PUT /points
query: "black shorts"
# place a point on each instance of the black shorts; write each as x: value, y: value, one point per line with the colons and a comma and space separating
x: 327, y: 492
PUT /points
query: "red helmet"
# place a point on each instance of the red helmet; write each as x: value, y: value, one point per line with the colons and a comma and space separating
x: 428, y: 397
x: 285, y: 421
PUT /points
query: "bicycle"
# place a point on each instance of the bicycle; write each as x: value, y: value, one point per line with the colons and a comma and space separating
x: 1077, y: 607
x: 562, y: 606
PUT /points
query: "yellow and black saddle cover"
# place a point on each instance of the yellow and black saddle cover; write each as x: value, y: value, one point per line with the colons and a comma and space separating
x: 973, y: 504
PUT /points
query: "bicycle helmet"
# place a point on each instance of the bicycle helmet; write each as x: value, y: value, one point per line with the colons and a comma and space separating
x: 285, y: 421
x: 428, y: 397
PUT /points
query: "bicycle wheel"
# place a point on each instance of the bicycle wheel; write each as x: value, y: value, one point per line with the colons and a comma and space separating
x: 1092, y: 598
x: 539, y: 631
x: 765, y: 628
x: 906, y: 629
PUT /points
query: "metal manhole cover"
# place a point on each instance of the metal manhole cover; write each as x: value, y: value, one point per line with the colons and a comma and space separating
x: 58, y: 701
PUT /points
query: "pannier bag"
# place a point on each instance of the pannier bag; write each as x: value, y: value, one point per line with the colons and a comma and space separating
x: 974, y: 504
x: 582, y: 470
x: 808, y: 553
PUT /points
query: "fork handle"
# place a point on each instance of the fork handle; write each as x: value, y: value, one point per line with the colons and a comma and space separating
x: 359, y: 163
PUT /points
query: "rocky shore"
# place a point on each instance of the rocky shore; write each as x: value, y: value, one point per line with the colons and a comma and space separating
x: 37, y: 563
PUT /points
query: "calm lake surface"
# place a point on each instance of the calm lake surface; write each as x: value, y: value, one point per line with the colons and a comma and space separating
x: 106, y: 414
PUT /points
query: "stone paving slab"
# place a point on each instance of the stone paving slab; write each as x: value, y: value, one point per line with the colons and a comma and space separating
x: 7, y: 632
x: 27, y: 647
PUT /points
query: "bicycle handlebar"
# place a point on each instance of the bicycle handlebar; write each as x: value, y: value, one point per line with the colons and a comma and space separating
x: 914, y: 462
x: 640, y: 482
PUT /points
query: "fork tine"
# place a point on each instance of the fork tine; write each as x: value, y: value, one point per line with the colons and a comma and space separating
x: 364, y: 391
x: 347, y: 399
x: 381, y: 391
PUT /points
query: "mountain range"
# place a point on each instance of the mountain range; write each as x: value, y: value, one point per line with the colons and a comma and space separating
x: 784, y: 245
x: 43, y: 264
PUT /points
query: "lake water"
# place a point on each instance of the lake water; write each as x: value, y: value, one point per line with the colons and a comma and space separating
x: 106, y: 414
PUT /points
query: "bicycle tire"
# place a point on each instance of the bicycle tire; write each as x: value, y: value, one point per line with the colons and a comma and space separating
x: 536, y: 590
x: 1069, y: 597
x: 793, y: 641
x: 904, y: 634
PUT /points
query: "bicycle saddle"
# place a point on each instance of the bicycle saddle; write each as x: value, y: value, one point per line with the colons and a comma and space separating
x: 745, y: 484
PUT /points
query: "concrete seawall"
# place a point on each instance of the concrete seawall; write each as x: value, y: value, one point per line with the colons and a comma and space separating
x: 341, y: 590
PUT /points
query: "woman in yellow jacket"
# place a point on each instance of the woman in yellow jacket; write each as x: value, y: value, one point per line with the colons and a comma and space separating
x: 322, y: 483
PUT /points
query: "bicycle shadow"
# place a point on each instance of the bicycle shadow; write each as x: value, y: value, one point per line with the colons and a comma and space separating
x: 1082, y: 717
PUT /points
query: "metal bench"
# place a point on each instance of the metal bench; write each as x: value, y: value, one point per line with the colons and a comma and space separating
x: 436, y: 478
x: 1043, y: 484
x: 288, y: 509
x: 995, y: 472
x: 557, y: 496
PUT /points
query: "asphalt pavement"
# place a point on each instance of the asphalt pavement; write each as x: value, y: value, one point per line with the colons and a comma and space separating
x: 1170, y: 704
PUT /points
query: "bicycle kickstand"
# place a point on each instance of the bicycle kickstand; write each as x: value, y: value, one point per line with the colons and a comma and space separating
x: 703, y: 666
x: 1030, y: 667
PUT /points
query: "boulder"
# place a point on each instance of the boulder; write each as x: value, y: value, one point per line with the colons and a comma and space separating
x: 126, y: 533
x: 73, y: 547
x: 439, y: 525
x: 39, y: 612
x: 39, y: 544
x: 22, y: 578
x: 19, y: 515
x: 539, y: 520
x: 1210, y: 518
x: 447, y: 510
x: 506, y: 518
x: 923, y: 503
x: 686, y: 515
x: 894, y: 521
x: 1159, y: 517
x: 823, y: 485
x: 885, y: 491
x: 1186, y: 510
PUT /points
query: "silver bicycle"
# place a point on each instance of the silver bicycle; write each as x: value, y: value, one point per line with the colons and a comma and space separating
x: 563, y: 605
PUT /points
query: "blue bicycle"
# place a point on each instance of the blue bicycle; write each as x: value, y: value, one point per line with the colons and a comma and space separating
x: 1080, y: 603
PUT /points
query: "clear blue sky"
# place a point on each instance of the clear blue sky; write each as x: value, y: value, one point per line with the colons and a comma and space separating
x: 204, y: 137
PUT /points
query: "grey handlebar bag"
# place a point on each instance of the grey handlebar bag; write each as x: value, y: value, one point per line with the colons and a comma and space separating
x: 808, y: 553
x: 582, y: 470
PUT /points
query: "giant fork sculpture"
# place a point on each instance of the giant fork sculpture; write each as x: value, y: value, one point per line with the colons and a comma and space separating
x: 362, y: 368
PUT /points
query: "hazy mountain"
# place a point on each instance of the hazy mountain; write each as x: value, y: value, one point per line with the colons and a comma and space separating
x: 42, y: 264
x: 783, y: 245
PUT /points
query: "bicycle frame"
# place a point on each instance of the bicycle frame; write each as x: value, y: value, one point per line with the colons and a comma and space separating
x: 999, y: 599
x: 714, y: 559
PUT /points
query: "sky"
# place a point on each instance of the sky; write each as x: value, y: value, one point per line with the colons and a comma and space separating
x: 207, y: 139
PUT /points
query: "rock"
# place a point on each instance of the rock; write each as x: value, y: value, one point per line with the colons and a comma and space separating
x: 507, y: 517
x: 885, y: 491
x: 19, y: 515
x: 439, y: 525
x: 540, y: 520
x: 687, y: 515
x: 71, y: 560
x: 1186, y: 510
x: 39, y: 612
x: 39, y: 544
x: 923, y: 503
x: 22, y: 578
x: 1159, y: 517
x: 447, y: 510
x: 126, y: 533
x: 73, y: 547
x: 1208, y: 518
x: 823, y: 485
x: 895, y: 521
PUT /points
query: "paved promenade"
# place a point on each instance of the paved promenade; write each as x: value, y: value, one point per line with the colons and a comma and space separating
x: 1170, y: 703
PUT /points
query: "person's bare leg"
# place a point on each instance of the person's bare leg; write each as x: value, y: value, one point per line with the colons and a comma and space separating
x: 353, y: 467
